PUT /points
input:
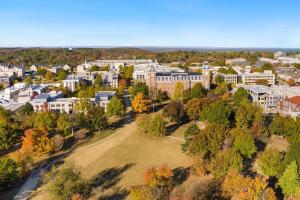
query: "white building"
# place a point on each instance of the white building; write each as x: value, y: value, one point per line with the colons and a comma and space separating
x: 279, y: 54
x: 236, y: 61
x: 251, y: 78
x: 70, y: 83
x: 110, y: 79
x: 102, y: 98
x: 263, y: 96
x: 11, y: 70
x: 269, y: 60
x: 289, y: 60
x: 141, y: 72
x: 228, y: 78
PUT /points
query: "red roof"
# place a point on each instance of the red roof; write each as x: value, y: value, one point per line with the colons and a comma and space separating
x: 295, y: 100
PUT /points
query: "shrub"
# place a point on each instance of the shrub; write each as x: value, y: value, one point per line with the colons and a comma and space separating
x: 67, y: 182
x: 58, y: 141
x: 8, y: 173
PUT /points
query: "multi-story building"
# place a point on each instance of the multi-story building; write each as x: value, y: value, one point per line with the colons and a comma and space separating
x: 228, y: 78
x: 289, y: 106
x: 252, y: 78
x: 279, y: 54
x: 70, y: 83
x: 102, y: 98
x: 236, y: 61
x: 263, y: 96
x: 110, y: 79
x: 269, y: 60
x: 11, y: 70
x: 166, y: 82
x: 141, y: 72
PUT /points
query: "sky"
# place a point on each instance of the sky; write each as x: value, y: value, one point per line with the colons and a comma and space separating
x: 164, y: 23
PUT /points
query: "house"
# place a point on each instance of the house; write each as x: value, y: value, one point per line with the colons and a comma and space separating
x: 67, y: 67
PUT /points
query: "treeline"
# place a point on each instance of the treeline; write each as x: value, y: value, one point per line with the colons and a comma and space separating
x: 76, y: 56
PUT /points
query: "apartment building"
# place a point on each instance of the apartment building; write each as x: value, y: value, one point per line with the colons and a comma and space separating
x: 11, y: 70
x: 279, y: 54
x: 166, y: 82
x: 251, y: 78
x: 263, y: 96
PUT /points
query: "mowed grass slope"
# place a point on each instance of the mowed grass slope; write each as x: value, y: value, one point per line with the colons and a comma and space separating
x: 123, y: 158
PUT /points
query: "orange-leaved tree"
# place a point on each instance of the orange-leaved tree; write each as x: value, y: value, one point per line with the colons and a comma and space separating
x: 140, y: 103
x: 37, y: 141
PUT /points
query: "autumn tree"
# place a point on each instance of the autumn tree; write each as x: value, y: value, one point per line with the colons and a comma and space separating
x: 194, y: 108
x: 236, y: 186
x: 243, y: 142
x: 63, y: 124
x: 189, y: 135
x: 37, y: 141
x: 160, y: 180
x: 291, y: 82
x: 49, y: 77
x: 157, y: 126
x: 198, y: 91
x: 174, y: 110
x: 269, y: 162
x: 66, y: 182
x: 139, y: 87
x: 219, y: 112
x: 7, y: 134
x: 45, y: 120
x: 225, y: 161
x: 207, y: 142
x: 240, y: 95
x: 142, y: 121
x: 116, y: 107
x: 122, y: 84
x: 178, y: 91
x: 8, y: 173
x: 289, y: 182
x: 140, y: 103
x: 96, y: 118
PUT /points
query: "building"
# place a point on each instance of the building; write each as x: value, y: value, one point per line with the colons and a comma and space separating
x: 70, y: 83
x: 263, y: 96
x: 269, y: 60
x: 228, y: 78
x: 236, y: 61
x: 289, y: 106
x: 279, y: 54
x: 252, y: 78
x: 36, y: 67
x: 102, y: 98
x: 289, y: 60
x: 141, y: 72
x: 11, y: 70
x: 166, y: 82
x: 67, y: 67
x: 110, y: 79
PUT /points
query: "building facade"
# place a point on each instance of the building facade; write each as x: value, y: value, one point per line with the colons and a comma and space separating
x: 252, y: 78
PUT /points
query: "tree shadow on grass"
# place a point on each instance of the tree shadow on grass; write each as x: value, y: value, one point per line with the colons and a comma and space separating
x: 108, y: 180
x: 180, y: 175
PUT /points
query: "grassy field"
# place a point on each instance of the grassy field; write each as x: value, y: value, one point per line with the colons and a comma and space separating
x: 117, y: 162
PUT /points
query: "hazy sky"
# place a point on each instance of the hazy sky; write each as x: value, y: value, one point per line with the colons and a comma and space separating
x: 197, y: 23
